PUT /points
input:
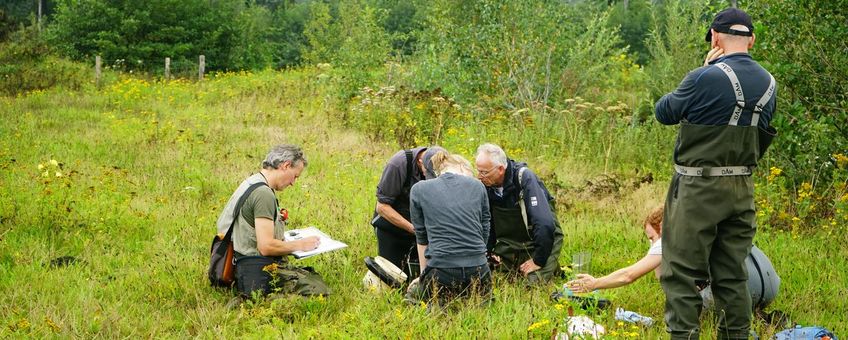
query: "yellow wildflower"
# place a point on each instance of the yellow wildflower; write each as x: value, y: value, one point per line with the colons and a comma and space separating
x: 537, y: 325
x: 52, y: 325
x: 841, y: 160
x: 23, y: 324
x: 53, y: 162
x: 58, y: 174
x: 271, y: 268
x: 40, y: 167
x: 774, y: 172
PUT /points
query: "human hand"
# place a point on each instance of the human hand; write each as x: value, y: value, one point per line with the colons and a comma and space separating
x: 309, y: 243
x: 528, y: 267
x: 582, y: 284
x: 493, y: 259
x: 713, y: 54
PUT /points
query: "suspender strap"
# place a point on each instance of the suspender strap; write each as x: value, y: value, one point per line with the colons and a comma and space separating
x: 409, y: 162
x: 718, y: 171
x: 237, y: 210
x: 737, y: 91
x: 521, y: 197
x: 763, y: 101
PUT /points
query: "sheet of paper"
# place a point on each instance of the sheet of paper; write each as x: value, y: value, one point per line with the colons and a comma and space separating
x: 325, y: 244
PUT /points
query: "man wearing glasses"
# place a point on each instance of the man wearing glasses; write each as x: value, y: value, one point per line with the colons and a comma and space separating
x: 525, y: 237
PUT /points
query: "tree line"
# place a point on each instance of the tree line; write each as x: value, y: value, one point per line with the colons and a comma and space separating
x: 497, y: 55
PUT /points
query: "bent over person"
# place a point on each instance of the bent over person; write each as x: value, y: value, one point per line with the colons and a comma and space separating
x: 724, y: 109
x: 391, y: 222
x: 260, y: 249
x: 451, y: 219
x: 526, y: 237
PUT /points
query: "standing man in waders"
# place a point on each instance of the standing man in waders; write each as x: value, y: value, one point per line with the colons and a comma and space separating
x: 525, y: 236
x: 391, y: 221
x: 724, y: 109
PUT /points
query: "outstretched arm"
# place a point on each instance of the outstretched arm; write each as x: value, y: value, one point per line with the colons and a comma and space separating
x: 618, y: 278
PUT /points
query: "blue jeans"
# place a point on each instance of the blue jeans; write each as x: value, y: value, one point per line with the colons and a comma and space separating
x: 446, y: 284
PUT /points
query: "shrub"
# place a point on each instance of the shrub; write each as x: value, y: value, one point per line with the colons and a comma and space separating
x: 514, y: 54
x: 27, y: 63
x: 353, y: 43
x: 229, y: 33
x: 409, y: 118
x: 676, y: 44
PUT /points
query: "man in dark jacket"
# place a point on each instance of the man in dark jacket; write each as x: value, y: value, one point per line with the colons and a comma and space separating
x: 525, y: 235
x: 391, y: 221
x: 724, y: 109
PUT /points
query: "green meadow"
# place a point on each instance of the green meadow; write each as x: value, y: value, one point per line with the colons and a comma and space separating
x: 128, y: 180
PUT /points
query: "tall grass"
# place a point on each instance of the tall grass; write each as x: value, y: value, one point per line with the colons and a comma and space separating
x: 146, y: 167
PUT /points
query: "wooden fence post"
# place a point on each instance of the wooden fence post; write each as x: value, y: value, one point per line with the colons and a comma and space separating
x: 97, y: 72
x: 167, y: 68
x: 39, y: 16
x: 201, y: 67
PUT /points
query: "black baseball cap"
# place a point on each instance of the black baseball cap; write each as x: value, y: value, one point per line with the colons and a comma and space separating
x: 727, y: 18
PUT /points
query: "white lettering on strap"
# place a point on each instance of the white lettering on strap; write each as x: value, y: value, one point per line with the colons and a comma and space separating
x: 713, y: 171
x: 763, y: 101
x: 737, y: 91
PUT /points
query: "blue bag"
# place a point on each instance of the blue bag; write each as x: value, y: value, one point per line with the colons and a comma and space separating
x: 805, y: 333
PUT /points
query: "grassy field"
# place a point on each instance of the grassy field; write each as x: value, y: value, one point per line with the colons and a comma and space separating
x: 129, y: 180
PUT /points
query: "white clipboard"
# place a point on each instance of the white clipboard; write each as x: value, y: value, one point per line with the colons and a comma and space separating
x: 325, y: 243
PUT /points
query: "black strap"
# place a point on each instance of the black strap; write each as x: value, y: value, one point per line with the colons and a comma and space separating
x: 240, y: 203
x: 408, y: 168
x: 762, y: 280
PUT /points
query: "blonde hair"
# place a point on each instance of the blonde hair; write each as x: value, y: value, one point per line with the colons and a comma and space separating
x: 443, y: 160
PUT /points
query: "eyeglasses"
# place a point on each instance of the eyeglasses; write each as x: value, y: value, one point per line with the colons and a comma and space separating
x: 485, y: 172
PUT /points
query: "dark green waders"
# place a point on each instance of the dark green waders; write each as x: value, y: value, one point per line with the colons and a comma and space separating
x: 273, y: 276
x: 514, y: 245
x: 709, y: 224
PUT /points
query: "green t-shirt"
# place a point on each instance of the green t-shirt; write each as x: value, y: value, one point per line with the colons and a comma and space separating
x: 261, y: 203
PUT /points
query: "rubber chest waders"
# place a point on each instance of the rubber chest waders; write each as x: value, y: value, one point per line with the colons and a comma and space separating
x: 515, y: 245
x: 709, y: 221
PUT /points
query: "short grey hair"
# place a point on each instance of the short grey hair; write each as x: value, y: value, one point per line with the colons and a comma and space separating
x: 283, y: 153
x: 493, y: 152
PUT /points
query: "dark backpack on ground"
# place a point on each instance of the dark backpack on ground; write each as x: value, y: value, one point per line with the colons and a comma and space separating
x: 221, y: 270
